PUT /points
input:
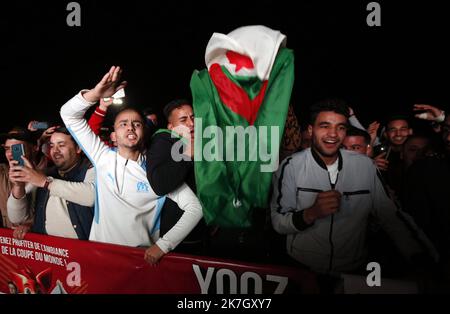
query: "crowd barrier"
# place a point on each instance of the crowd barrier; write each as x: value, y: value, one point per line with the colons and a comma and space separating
x: 46, y: 264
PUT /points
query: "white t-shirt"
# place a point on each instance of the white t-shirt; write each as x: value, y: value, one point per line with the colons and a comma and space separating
x: 333, y: 171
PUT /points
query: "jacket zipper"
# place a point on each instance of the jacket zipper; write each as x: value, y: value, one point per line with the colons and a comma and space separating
x: 330, y: 234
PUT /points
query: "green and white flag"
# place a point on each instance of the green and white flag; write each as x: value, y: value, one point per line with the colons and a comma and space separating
x: 240, y: 103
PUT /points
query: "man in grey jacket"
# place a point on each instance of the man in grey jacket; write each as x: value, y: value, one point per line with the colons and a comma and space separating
x: 323, y: 197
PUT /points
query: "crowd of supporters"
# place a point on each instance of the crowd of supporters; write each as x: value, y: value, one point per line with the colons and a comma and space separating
x: 343, y: 195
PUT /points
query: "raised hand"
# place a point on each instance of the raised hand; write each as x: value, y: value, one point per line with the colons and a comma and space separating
x: 108, y: 86
x: 431, y: 113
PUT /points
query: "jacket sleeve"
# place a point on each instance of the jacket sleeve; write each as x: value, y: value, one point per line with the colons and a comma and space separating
x: 189, y: 203
x: 96, y: 120
x: 72, y: 113
x: 164, y: 174
x: 284, y: 199
x: 398, y: 225
x: 21, y: 210
x: 82, y: 193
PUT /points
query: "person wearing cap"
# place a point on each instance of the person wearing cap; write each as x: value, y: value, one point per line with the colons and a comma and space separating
x: 16, y: 135
x: 60, y: 201
x: 166, y: 174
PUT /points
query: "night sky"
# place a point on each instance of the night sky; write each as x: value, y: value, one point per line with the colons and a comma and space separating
x: 377, y: 70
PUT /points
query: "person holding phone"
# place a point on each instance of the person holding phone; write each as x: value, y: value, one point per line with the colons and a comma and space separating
x: 64, y: 198
x: 21, y: 138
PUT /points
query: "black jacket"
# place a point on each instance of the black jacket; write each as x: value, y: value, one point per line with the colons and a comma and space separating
x: 165, y: 175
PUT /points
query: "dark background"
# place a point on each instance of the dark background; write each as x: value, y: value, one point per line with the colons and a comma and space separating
x: 378, y: 70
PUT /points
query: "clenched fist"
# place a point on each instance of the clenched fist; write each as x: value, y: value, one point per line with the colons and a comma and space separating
x: 326, y: 203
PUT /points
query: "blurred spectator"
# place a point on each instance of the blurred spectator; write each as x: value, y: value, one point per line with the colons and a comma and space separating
x: 16, y: 135
x: 357, y: 140
x: 292, y: 137
x: 397, y: 131
x: 416, y: 147
x: 427, y: 199
x: 305, y: 137
x: 152, y: 117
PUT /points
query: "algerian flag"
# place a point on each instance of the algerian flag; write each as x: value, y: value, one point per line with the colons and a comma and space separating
x: 248, y: 85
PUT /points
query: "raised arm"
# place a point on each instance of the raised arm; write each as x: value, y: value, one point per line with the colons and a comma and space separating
x: 73, y: 112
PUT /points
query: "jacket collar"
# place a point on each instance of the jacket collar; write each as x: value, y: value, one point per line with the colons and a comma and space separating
x: 321, y: 163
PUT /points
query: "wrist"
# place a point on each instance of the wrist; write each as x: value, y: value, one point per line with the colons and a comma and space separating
x: 91, y: 96
x: 308, y: 216
x: 46, y: 183
x: 18, y: 191
x: 102, y: 108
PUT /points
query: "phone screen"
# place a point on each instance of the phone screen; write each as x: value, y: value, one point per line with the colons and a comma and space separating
x: 40, y: 125
x: 17, y: 153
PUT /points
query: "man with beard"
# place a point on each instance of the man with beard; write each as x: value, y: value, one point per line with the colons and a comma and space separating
x: 323, y: 196
x: 65, y: 194
x: 128, y: 210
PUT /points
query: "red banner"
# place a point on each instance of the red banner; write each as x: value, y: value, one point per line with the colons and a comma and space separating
x: 45, y: 264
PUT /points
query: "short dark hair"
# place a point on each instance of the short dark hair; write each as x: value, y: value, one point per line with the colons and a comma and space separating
x: 398, y: 116
x: 353, y: 131
x: 330, y: 104
x: 130, y: 108
x: 65, y: 131
x: 174, y: 104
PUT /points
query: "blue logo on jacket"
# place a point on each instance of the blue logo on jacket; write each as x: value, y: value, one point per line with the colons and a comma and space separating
x: 142, y: 187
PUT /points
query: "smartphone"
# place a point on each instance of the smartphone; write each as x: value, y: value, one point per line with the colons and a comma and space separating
x: 387, y: 153
x: 40, y: 125
x: 17, y: 153
x: 119, y: 94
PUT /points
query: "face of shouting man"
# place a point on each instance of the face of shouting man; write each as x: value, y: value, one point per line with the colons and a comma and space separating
x: 128, y: 130
x: 327, y: 134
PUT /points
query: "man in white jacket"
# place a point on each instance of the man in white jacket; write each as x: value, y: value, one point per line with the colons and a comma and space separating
x: 127, y: 210
x: 323, y: 198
